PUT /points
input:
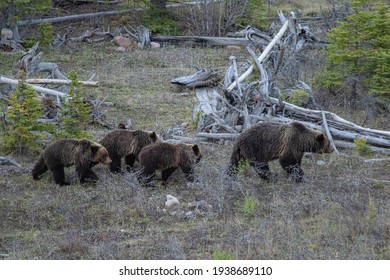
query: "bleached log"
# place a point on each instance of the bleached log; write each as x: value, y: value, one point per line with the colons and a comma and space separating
x: 374, y: 160
x: 220, y: 136
x: 37, y: 88
x: 6, y: 161
x: 333, y: 119
x: 61, y: 82
x: 349, y: 145
x: 202, y: 78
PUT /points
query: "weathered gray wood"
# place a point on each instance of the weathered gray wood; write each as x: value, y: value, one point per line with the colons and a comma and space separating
x: 263, y: 55
x: 202, y: 78
x: 37, y: 88
x: 7, y: 161
x: 60, y: 82
x: 214, y: 41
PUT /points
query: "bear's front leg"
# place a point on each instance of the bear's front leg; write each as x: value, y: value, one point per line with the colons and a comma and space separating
x: 292, y: 165
x: 85, y: 173
x: 146, y: 177
x: 166, y: 173
x: 296, y: 173
x: 59, y: 176
x: 129, y: 160
x: 115, y: 165
x: 189, y: 172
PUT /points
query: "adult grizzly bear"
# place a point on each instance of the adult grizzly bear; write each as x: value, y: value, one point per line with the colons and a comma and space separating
x: 263, y: 142
x: 167, y: 158
x: 66, y: 152
x: 128, y: 144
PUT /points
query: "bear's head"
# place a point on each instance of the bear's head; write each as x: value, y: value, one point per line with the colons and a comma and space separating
x: 192, y: 154
x: 99, y: 153
x: 197, y: 153
x: 323, y: 143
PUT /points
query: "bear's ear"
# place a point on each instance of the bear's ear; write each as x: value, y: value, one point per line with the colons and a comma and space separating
x: 153, y: 136
x: 196, y: 150
x: 121, y: 126
x: 320, y: 137
x: 95, y: 149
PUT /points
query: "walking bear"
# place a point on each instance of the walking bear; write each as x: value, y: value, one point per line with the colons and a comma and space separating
x: 264, y: 142
x: 167, y: 158
x: 67, y: 152
x: 128, y: 144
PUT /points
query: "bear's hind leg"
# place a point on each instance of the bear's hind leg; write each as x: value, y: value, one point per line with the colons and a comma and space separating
x: 232, y: 170
x: 59, y: 176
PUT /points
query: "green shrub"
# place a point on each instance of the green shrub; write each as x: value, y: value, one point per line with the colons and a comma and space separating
x: 221, y: 255
x: 361, y: 148
x: 161, y: 21
x: 22, y: 133
x: 46, y: 32
x: 299, y: 97
x: 247, y: 206
x: 75, y: 113
x: 243, y: 166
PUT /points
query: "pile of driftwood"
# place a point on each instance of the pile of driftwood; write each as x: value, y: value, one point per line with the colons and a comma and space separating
x: 234, y: 104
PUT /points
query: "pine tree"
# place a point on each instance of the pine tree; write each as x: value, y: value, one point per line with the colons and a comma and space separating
x: 359, y: 55
x: 75, y: 113
x: 22, y: 133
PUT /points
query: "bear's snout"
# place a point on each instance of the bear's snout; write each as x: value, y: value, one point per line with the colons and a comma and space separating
x: 106, y: 160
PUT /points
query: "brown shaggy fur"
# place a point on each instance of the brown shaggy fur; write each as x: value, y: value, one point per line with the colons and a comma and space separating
x: 264, y: 142
x: 128, y: 144
x: 167, y: 158
x: 66, y: 152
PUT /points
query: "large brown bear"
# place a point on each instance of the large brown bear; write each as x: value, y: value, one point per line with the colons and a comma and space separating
x: 167, y: 158
x: 66, y: 152
x: 128, y: 144
x: 264, y: 142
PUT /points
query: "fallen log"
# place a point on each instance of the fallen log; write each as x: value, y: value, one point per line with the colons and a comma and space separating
x: 202, y: 78
x: 37, y: 88
x: 6, y: 161
x: 204, y: 40
x: 61, y: 82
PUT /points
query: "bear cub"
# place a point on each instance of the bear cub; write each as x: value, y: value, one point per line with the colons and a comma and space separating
x: 264, y: 142
x: 67, y: 152
x: 167, y: 158
x: 128, y: 144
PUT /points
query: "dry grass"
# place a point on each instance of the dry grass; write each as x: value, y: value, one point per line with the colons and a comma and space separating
x: 341, y: 211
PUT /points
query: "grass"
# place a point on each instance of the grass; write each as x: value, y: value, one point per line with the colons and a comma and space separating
x: 341, y: 211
